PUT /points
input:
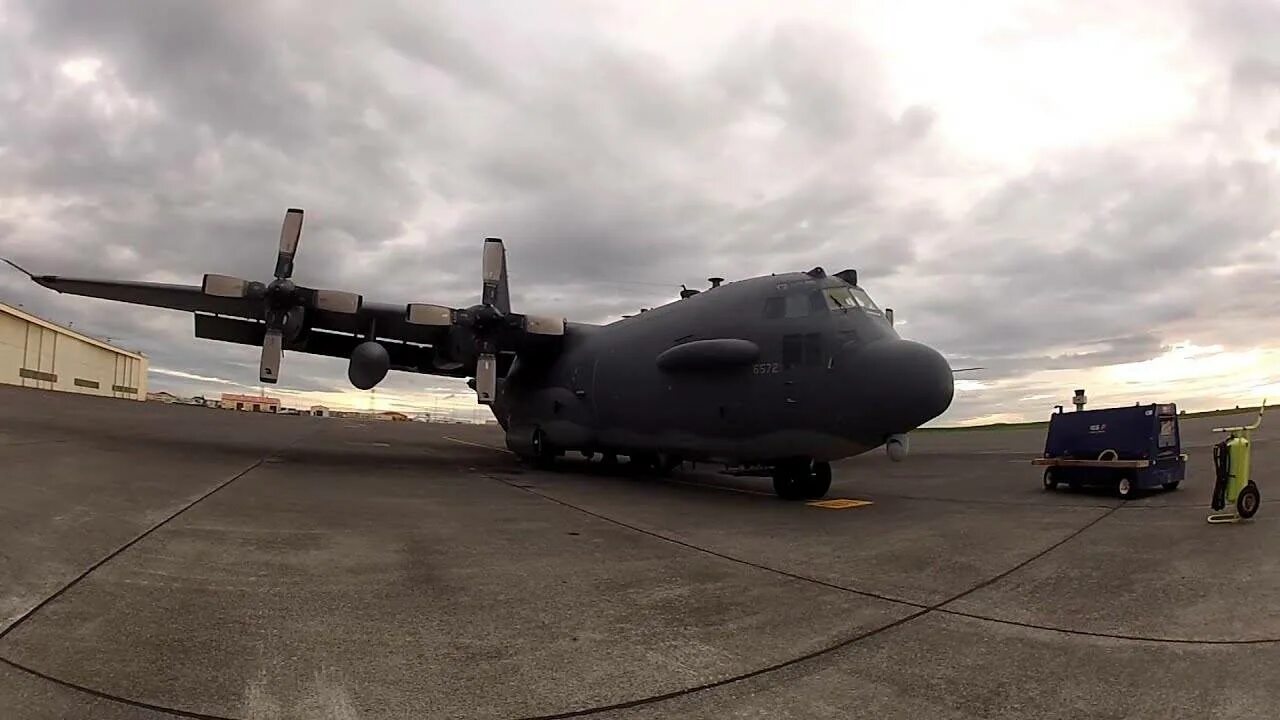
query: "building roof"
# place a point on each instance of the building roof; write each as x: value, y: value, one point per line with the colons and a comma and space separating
x: 232, y: 397
x: 24, y: 315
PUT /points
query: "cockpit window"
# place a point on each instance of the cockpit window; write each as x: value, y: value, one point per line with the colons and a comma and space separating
x: 839, y: 298
x: 863, y: 298
x: 844, y: 298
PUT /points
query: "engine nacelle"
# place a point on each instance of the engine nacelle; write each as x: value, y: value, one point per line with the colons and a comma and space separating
x: 369, y: 364
x: 897, y: 447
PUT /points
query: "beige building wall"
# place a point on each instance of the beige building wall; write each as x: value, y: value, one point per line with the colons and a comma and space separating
x: 39, y: 354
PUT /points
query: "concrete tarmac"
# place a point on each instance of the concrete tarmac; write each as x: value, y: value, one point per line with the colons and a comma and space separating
x: 165, y: 561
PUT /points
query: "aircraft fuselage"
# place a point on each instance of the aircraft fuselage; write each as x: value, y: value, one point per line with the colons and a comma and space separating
x: 751, y: 372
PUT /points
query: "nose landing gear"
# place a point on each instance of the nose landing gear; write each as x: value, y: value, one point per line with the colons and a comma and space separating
x: 801, y: 479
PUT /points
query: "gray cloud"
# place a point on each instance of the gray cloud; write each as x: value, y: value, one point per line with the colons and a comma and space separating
x: 410, y: 133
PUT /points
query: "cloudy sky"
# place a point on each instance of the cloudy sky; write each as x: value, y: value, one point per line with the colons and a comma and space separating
x: 1069, y: 194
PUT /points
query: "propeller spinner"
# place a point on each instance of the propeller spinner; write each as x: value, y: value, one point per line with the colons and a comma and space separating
x: 285, y: 304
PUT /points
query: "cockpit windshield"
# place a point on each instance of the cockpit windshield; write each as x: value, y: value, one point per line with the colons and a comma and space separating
x: 844, y: 298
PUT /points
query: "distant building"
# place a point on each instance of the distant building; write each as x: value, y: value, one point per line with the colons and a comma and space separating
x: 37, y: 353
x: 164, y: 397
x: 250, y: 403
x: 392, y: 415
x: 320, y: 411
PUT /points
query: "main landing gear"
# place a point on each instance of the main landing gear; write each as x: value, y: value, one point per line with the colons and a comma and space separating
x: 801, y: 479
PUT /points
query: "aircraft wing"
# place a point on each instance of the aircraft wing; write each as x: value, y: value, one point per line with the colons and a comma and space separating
x: 479, y: 341
x: 242, y: 320
x: 177, y: 297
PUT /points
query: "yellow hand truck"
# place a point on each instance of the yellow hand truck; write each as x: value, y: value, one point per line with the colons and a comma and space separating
x: 1233, y: 485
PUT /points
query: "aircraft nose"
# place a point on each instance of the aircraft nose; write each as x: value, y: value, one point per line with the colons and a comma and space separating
x: 900, y: 384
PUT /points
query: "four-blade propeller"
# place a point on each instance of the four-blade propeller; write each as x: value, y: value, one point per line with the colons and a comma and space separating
x: 490, y: 327
x: 284, y: 304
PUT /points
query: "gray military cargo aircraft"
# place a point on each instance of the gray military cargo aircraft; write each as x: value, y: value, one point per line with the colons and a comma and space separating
x: 776, y: 375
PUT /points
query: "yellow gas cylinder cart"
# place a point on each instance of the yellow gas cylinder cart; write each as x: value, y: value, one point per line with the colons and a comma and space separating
x: 1233, y: 484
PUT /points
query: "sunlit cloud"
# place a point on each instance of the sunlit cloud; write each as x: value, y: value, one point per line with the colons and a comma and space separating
x: 191, y: 376
x: 81, y: 70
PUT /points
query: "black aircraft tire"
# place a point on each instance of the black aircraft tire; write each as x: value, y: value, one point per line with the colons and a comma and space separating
x: 643, y: 461
x: 818, y: 482
x: 543, y: 454
x: 1049, y: 482
x: 789, y: 481
x: 787, y: 488
x: 1248, y: 500
x: 1170, y: 485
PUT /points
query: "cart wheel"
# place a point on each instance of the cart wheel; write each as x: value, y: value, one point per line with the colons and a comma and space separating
x: 1247, y: 501
x: 1125, y: 487
x: 1170, y: 485
x: 1049, y: 482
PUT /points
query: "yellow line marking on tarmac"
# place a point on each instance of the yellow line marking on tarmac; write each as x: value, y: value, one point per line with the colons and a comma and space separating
x: 839, y: 503
x: 476, y: 444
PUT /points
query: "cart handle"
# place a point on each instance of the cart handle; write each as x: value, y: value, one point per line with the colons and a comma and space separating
x: 1253, y: 426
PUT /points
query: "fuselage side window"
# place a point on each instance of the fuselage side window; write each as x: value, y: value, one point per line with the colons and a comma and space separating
x: 797, y: 306
x: 817, y: 302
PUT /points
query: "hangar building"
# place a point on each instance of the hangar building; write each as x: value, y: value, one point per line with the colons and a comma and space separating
x: 39, y: 354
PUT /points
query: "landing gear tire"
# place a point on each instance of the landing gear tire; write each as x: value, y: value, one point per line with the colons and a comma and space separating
x: 801, y: 480
x: 787, y: 483
x: 1248, y: 500
x: 1170, y: 485
x: 1124, y: 488
x: 642, y: 461
x: 543, y: 454
x: 665, y: 463
x: 1049, y: 482
x: 819, y: 481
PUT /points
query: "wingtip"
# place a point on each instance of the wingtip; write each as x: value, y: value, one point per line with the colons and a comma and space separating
x: 19, y: 268
x: 45, y: 280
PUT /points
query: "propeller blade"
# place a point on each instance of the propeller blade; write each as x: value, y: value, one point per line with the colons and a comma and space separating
x: 494, y: 273
x: 224, y: 286
x: 338, y: 301
x: 272, y: 347
x: 543, y: 325
x: 425, y: 314
x: 486, y: 378
x: 290, y: 231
